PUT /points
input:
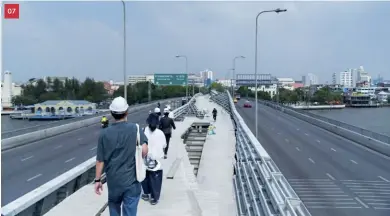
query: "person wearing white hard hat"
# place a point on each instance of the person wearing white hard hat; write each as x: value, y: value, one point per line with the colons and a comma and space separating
x: 151, y: 186
x: 116, y: 144
x: 166, y: 125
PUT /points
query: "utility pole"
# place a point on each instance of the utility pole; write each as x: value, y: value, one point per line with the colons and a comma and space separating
x: 149, y: 91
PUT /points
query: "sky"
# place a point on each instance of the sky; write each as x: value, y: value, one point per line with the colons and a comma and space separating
x: 83, y: 39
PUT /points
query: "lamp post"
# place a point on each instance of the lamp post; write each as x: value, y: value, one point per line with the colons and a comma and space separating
x: 234, y: 71
x: 185, y: 57
x: 278, y: 10
x: 124, y: 50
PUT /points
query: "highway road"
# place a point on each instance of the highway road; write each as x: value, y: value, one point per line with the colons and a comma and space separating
x: 30, y: 166
x: 332, y: 175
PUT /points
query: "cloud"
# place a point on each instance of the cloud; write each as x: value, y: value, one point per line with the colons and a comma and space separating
x: 66, y: 39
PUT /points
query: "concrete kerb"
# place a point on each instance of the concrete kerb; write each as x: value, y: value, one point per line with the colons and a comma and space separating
x: 16, y: 141
x: 366, y: 141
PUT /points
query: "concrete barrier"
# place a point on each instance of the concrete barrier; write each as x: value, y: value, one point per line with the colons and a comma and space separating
x: 366, y: 141
x: 16, y: 141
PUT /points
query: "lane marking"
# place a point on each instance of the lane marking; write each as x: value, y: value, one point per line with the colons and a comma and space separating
x: 324, y: 195
x: 93, y: 148
x: 297, y: 149
x: 383, y: 179
x: 306, y: 134
x: 34, y: 177
x: 318, y: 141
x: 330, y: 176
x: 287, y: 140
x: 57, y: 147
x: 361, y: 202
x: 333, y: 149
x: 69, y: 160
x: 279, y: 133
x: 380, y: 208
x: 335, y: 207
x: 353, y: 161
x: 24, y: 159
x: 311, y: 160
x: 79, y: 139
x: 297, y: 129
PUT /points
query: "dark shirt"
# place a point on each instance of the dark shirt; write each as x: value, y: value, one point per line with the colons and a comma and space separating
x: 166, y: 125
x: 116, y: 148
x: 214, y: 112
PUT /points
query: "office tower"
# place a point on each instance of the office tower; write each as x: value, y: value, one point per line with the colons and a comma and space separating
x: 346, y: 78
x: 334, y: 79
x: 310, y: 79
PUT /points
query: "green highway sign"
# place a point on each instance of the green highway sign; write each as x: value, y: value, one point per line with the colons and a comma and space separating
x: 170, y: 79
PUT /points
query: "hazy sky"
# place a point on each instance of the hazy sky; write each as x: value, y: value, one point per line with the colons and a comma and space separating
x: 85, y: 38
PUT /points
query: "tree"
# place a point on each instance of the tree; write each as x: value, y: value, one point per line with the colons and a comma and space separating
x: 217, y: 87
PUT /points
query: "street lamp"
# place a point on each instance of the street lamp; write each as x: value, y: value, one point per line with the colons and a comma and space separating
x: 278, y: 10
x: 124, y: 50
x: 185, y: 57
x: 234, y: 71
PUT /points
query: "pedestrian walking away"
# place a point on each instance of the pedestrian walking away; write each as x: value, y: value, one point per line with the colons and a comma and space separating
x: 215, y: 114
x: 151, y: 186
x: 166, y: 125
x: 116, y: 152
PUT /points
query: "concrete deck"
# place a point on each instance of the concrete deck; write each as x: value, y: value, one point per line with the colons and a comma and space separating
x: 211, y: 193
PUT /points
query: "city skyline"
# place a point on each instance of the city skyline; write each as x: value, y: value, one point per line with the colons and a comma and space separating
x: 304, y: 40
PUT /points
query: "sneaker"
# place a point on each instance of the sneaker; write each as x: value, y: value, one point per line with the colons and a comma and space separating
x: 145, y: 197
x: 153, y: 202
x: 165, y: 156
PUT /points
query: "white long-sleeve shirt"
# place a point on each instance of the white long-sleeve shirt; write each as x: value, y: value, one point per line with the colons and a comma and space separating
x: 156, y: 144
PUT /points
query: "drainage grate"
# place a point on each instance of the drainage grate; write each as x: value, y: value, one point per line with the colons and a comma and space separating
x: 194, y: 139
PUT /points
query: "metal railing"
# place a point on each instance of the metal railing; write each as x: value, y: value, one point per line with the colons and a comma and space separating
x: 260, y: 187
x: 12, y: 133
x: 42, y: 199
x: 374, y: 135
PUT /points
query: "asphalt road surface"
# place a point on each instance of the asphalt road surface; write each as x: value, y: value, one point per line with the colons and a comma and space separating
x: 331, y: 175
x: 30, y: 166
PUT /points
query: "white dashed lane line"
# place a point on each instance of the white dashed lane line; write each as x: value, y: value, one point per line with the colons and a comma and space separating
x: 330, y: 176
x: 34, y: 177
x: 318, y: 141
x: 306, y: 134
x: 57, y: 147
x: 311, y: 160
x: 353, y: 161
x: 93, y: 148
x: 297, y: 149
x: 69, y: 160
x: 24, y: 159
x: 333, y: 149
x: 286, y: 140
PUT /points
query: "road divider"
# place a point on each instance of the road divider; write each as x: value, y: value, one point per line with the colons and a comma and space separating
x: 42, y: 199
x: 24, y: 139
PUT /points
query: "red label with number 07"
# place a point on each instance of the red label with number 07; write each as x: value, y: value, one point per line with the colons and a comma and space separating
x: 11, y: 11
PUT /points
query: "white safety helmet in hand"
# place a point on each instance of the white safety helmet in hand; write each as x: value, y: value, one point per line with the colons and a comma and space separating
x: 119, y: 105
x: 157, y: 110
x: 166, y: 110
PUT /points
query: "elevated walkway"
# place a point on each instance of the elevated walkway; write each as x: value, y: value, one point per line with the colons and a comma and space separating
x: 209, y: 193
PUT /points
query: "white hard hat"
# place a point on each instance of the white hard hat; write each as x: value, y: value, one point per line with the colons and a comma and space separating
x: 156, y: 110
x: 119, y: 105
x: 168, y: 107
x: 166, y: 110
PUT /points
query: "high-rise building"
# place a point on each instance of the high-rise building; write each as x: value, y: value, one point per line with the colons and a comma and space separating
x: 206, y: 74
x: 362, y: 76
x: 310, y: 79
x: 6, y: 90
x: 347, y: 78
x: 334, y: 78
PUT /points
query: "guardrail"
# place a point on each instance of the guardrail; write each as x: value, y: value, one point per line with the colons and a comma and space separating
x: 45, y: 197
x: 375, y: 141
x: 260, y: 187
x: 12, y: 133
x: 24, y: 139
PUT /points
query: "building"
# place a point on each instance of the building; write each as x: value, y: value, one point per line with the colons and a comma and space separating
x: 249, y: 80
x: 310, y: 79
x: 52, y: 78
x: 65, y: 107
x: 286, y: 81
x: 133, y: 79
x: 196, y: 80
x: 207, y: 74
x: 225, y: 82
x: 270, y: 89
x: 346, y: 78
x: 334, y: 79
x: 362, y: 76
x: 6, y: 90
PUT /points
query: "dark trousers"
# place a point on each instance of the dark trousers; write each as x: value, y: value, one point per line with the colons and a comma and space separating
x: 152, y: 184
x: 167, y: 138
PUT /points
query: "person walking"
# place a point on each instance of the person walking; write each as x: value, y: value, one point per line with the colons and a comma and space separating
x: 116, y: 153
x: 151, y: 186
x: 166, y: 125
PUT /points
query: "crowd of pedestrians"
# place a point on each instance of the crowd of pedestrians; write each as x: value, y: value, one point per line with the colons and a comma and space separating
x: 117, y: 155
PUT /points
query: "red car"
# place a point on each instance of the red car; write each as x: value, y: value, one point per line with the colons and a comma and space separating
x: 247, y: 104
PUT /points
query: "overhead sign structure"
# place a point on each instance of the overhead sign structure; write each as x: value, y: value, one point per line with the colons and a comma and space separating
x: 249, y: 80
x: 171, y: 79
